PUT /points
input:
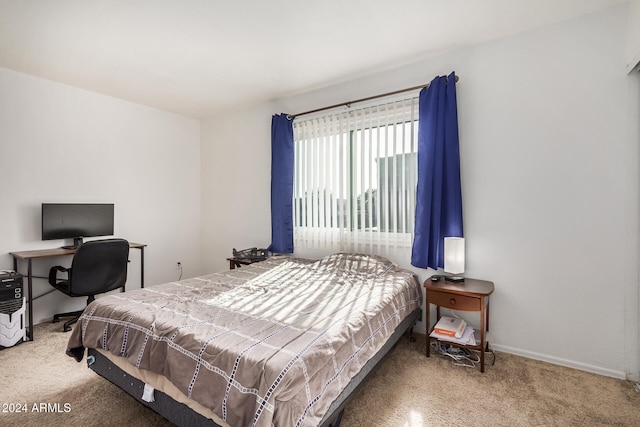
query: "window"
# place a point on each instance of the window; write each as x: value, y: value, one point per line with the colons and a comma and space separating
x: 355, y: 177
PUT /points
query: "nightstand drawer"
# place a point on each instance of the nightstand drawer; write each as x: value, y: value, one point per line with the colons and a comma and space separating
x: 455, y: 302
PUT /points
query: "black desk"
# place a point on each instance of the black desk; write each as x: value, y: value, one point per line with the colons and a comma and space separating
x: 50, y: 253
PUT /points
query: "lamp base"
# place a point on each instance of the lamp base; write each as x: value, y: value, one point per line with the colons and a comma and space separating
x: 454, y: 279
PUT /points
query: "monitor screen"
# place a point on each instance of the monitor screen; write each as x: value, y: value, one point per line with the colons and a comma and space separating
x: 76, y: 220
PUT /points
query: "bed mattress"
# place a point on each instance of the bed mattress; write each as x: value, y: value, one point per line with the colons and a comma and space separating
x: 273, y: 343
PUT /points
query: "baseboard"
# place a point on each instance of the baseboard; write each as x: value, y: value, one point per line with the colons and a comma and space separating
x: 558, y: 361
x: 562, y: 362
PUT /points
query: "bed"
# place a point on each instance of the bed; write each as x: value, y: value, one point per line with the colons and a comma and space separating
x: 282, y: 342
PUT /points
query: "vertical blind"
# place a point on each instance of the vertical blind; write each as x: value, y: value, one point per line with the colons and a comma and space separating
x: 355, y: 177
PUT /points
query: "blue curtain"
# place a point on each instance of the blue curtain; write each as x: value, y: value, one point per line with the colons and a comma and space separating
x: 281, y: 184
x: 439, y: 193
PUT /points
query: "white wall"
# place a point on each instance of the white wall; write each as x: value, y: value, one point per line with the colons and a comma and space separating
x: 633, y: 35
x: 548, y: 136
x: 555, y: 214
x: 62, y: 144
x: 236, y: 171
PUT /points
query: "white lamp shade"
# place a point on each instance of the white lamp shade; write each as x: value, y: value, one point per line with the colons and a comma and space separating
x: 454, y: 255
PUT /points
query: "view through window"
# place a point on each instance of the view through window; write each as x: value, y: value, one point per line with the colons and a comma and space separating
x: 355, y: 176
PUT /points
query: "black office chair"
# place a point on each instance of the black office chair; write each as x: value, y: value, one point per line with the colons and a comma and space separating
x: 98, y: 266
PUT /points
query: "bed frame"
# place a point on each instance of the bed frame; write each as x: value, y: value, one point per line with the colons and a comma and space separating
x: 181, y: 415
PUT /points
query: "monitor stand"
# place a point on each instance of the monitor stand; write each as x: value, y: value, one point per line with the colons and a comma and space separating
x: 77, y: 241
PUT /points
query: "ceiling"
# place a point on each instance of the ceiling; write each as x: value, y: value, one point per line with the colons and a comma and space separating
x: 198, y: 57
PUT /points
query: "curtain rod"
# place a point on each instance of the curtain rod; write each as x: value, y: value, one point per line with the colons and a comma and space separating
x: 293, y: 116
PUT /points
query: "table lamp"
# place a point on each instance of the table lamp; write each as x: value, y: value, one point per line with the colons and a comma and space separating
x: 454, y: 258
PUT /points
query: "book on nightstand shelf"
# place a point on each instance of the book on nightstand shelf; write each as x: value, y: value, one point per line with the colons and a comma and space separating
x: 450, y: 326
x: 467, y: 338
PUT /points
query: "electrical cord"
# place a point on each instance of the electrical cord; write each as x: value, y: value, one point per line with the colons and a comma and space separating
x: 461, y: 356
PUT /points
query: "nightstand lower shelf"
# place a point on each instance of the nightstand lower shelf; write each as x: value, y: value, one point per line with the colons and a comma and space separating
x: 476, y: 347
x: 470, y: 295
x: 470, y: 357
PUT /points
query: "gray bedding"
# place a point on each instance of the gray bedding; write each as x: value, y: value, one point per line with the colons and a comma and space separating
x: 273, y: 343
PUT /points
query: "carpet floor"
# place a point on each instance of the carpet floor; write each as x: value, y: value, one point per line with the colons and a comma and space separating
x: 41, y: 387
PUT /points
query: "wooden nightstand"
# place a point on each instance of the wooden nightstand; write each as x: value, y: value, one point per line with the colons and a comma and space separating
x: 470, y: 295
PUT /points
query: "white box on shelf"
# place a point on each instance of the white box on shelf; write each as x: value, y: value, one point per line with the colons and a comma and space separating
x: 450, y: 326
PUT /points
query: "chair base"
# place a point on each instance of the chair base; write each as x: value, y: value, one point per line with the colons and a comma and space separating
x: 67, y: 325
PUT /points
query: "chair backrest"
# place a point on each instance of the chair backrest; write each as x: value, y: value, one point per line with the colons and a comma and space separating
x: 99, y: 266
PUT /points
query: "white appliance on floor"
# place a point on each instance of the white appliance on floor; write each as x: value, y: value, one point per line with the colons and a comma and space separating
x: 12, y: 309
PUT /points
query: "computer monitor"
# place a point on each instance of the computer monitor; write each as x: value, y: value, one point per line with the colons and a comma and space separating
x: 76, y: 221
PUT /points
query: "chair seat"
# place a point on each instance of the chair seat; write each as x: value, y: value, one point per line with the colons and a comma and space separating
x: 64, y: 286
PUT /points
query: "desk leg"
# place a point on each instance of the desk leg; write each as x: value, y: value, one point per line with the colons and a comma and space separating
x: 142, y: 267
x: 30, y: 333
x: 483, y: 325
x: 29, y: 297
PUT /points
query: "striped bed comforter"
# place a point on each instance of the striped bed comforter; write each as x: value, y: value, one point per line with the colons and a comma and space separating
x: 272, y: 343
